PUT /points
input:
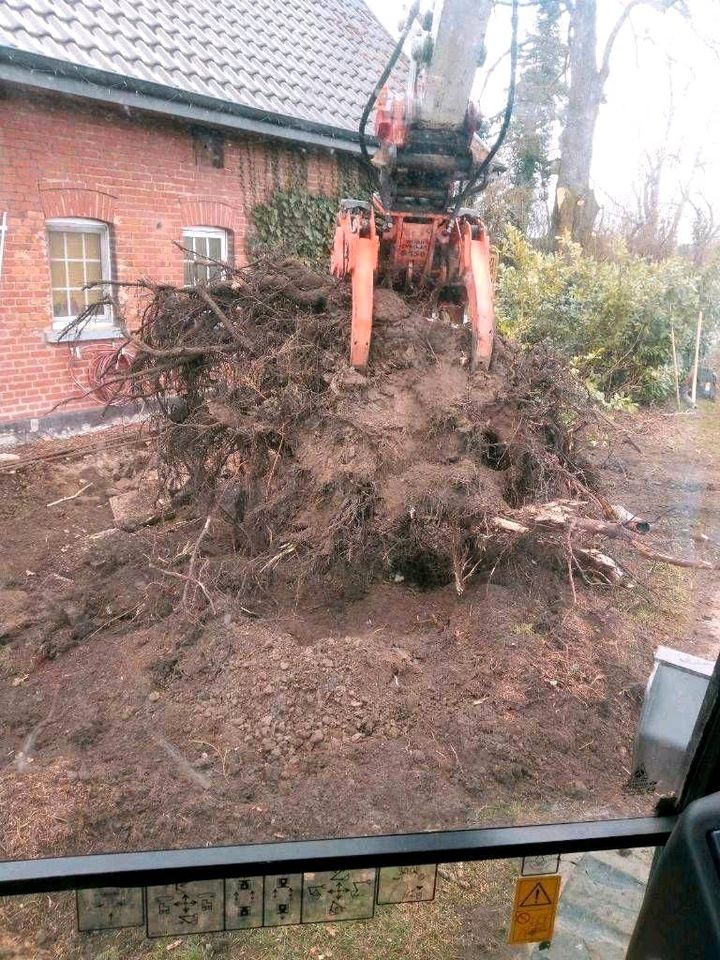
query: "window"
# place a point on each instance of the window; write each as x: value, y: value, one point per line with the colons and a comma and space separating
x: 79, y: 255
x: 200, y: 243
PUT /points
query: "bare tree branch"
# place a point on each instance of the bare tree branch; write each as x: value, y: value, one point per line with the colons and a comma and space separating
x: 613, y: 35
x: 661, y: 5
x: 491, y: 69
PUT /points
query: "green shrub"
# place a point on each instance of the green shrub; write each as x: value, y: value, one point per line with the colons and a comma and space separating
x: 295, y: 221
x: 611, y: 318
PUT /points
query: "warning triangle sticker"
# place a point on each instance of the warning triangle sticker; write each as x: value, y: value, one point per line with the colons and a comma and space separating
x: 537, y: 897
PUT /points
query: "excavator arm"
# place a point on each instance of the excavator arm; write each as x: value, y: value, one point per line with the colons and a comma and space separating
x: 417, y: 232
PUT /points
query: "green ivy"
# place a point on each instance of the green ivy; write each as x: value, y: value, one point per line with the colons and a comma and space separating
x: 297, y: 222
x: 300, y: 223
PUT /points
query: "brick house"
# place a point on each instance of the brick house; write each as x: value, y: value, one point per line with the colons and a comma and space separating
x: 129, y: 128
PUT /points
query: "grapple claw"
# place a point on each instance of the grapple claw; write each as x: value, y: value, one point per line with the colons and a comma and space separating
x: 355, y: 252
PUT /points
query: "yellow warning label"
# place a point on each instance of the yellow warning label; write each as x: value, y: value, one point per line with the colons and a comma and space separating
x: 533, y: 916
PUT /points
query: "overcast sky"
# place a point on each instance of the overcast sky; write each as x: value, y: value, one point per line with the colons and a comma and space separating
x: 661, y: 64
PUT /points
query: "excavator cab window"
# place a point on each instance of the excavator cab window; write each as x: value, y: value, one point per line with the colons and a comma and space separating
x: 359, y: 470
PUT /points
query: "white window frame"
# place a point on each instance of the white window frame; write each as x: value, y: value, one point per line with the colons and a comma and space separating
x: 103, y: 319
x: 209, y: 233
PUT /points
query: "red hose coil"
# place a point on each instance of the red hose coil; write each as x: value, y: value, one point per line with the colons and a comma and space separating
x: 103, y: 370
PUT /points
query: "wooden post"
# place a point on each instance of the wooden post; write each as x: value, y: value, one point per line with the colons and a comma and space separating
x: 696, y: 365
x: 675, y: 364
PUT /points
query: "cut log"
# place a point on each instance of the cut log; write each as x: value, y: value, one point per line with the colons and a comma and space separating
x: 564, y: 518
x: 601, y: 563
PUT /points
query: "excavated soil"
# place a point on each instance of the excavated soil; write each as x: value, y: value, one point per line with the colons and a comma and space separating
x: 354, y: 705
x: 126, y: 725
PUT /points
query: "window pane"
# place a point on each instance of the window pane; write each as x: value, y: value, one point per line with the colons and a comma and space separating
x: 92, y: 246
x: 93, y: 271
x: 57, y: 274
x: 215, y: 248
x: 76, y: 275
x: 74, y: 245
x: 94, y: 295
x: 57, y: 244
x: 76, y: 259
x: 77, y: 302
x: 59, y: 300
x: 201, y: 246
x: 189, y: 278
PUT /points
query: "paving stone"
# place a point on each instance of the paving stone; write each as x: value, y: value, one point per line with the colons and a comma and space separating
x: 599, y: 905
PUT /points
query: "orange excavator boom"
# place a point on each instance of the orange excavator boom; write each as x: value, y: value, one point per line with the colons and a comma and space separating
x: 417, y: 233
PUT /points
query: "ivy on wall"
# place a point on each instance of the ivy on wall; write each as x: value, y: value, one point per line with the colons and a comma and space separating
x: 299, y: 222
x: 295, y: 221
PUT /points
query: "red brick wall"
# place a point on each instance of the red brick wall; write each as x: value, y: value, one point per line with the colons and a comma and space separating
x: 62, y: 158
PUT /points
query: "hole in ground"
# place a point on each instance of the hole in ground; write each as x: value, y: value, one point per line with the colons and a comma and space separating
x: 425, y: 569
x: 523, y: 482
x: 494, y: 451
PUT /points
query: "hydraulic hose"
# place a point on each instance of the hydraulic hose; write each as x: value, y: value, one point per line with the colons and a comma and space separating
x: 394, y: 57
x: 479, y: 181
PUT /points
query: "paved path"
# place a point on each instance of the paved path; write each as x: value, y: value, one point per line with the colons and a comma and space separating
x: 598, y: 907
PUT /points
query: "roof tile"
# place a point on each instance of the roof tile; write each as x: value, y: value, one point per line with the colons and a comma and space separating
x: 311, y: 60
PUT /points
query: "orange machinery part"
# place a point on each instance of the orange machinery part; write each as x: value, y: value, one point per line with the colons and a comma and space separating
x: 355, y: 252
x: 475, y: 270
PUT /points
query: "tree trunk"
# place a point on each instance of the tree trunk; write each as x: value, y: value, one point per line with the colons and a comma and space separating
x: 575, y: 205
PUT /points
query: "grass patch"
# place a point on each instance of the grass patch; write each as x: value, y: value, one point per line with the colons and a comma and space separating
x: 669, y: 598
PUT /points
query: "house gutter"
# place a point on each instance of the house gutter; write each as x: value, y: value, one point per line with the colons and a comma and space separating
x: 58, y: 76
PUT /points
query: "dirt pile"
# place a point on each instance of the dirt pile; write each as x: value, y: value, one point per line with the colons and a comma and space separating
x: 127, y: 722
x: 311, y: 472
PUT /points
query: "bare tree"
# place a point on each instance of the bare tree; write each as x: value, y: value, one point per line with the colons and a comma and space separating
x: 575, y: 207
x: 705, y: 231
x: 651, y: 230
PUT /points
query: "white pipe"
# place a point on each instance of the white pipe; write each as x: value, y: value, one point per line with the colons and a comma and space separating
x: 675, y: 364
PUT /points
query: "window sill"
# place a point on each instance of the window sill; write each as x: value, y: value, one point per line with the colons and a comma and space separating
x: 87, y: 333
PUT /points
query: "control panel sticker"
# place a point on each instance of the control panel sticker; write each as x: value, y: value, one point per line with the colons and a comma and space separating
x: 283, y: 899
x: 244, y: 903
x: 182, y: 908
x: 534, y: 909
x: 109, y: 908
x: 542, y: 863
x: 407, y: 884
x: 338, y: 895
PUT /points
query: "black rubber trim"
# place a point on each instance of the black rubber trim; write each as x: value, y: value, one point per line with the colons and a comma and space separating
x: 175, y: 866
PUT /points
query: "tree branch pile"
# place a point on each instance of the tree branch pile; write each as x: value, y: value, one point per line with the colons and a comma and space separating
x: 314, y: 477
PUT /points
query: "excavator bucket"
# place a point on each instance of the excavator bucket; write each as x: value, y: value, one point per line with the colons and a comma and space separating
x: 409, y: 248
